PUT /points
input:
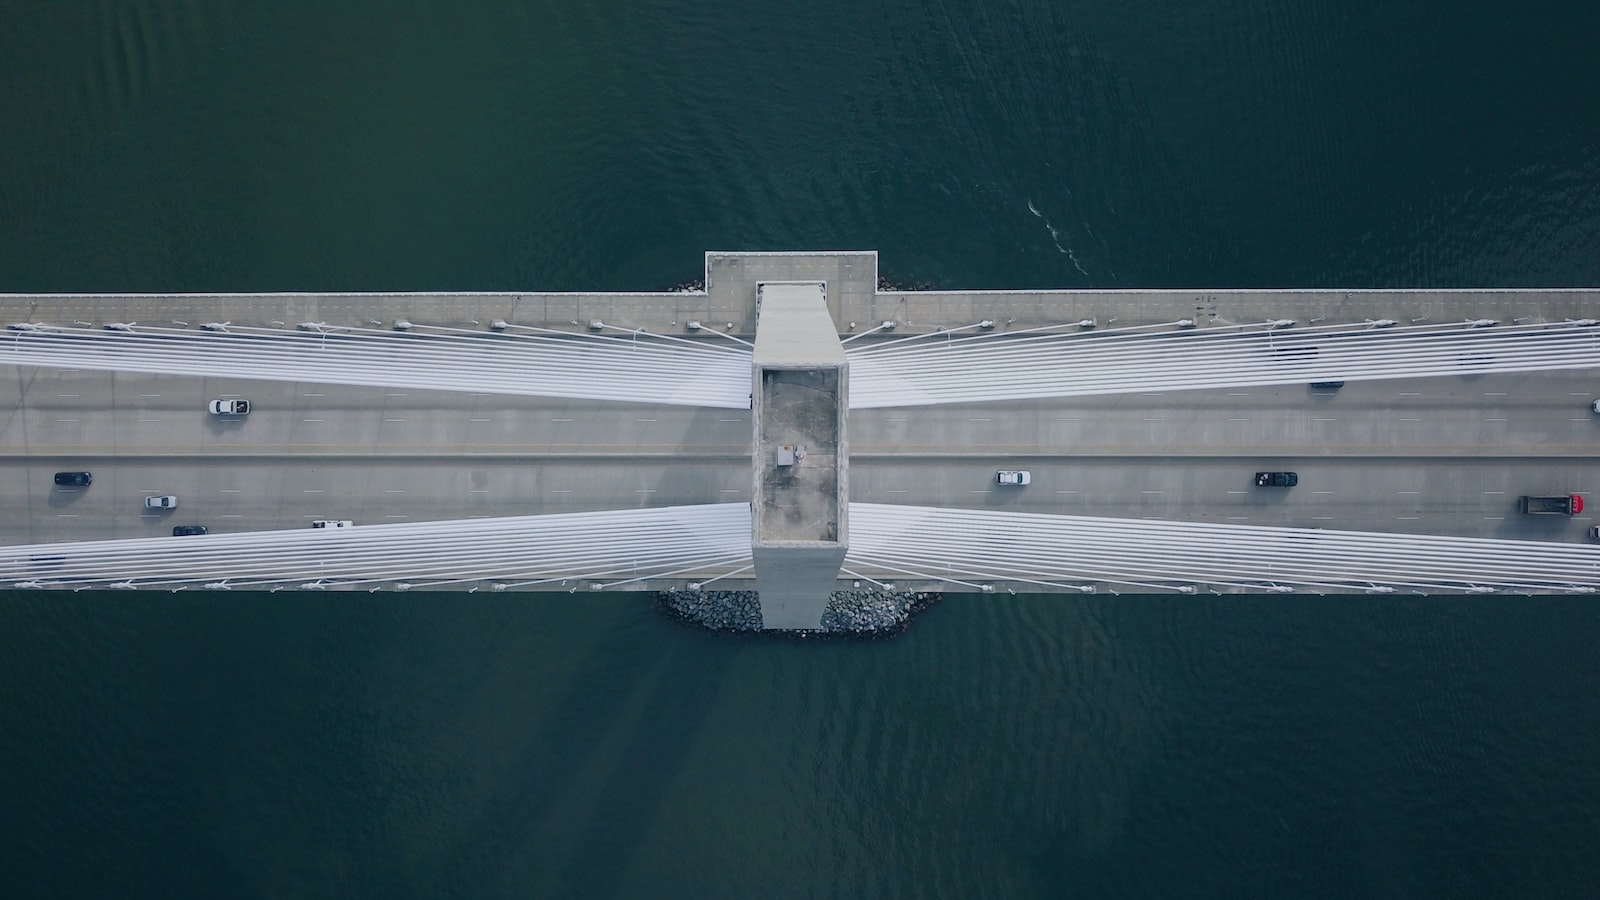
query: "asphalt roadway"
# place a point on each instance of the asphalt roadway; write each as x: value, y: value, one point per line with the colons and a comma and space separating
x: 1441, y: 456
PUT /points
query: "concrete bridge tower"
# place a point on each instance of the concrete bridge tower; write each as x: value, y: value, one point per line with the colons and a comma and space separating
x: 799, y: 398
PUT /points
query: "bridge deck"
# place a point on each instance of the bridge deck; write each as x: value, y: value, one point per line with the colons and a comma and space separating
x: 1443, y: 455
x: 1446, y: 456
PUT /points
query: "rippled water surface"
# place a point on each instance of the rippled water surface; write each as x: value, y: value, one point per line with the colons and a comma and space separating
x: 213, y: 745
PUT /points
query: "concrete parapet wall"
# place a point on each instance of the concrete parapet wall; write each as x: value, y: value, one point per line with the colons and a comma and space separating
x: 926, y: 311
x: 660, y: 312
x: 853, y: 303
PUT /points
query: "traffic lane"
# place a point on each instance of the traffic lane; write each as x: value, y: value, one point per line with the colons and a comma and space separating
x: 227, y: 495
x: 62, y: 411
x: 68, y: 409
x: 1508, y: 414
x: 1554, y: 388
x: 1452, y: 496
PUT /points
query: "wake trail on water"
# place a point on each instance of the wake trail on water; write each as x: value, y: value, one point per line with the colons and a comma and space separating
x: 1055, y: 237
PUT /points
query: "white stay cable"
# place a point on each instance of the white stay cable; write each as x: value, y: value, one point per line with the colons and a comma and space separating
x: 967, y: 546
x: 1036, y: 364
x: 639, y: 367
x: 613, y: 546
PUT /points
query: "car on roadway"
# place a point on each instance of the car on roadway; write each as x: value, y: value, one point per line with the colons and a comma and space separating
x: 1277, y: 479
x: 333, y: 523
x: 74, y: 479
x: 1327, y: 385
x: 229, y: 407
x: 1016, y: 478
x: 1595, y: 406
x: 168, y: 502
x: 182, y: 530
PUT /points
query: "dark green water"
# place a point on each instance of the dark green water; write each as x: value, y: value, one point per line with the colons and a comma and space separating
x: 389, y: 746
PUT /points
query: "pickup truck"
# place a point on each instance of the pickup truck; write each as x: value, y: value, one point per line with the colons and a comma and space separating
x: 1568, y: 505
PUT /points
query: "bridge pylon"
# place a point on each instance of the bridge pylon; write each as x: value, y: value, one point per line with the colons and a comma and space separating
x: 799, y: 399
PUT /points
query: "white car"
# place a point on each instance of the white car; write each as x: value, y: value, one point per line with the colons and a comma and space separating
x: 1018, y: 478
x: 167, y: 502
x: 333, y: 523
x: 1595, y: 406
x: 229, y: 407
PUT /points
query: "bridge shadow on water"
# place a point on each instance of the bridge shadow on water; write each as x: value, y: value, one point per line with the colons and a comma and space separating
x: 597, y: 763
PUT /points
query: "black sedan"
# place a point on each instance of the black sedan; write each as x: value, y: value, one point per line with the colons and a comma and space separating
x: 1277, y: 479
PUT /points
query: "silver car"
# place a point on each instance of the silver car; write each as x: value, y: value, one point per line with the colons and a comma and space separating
x: 229, y: 407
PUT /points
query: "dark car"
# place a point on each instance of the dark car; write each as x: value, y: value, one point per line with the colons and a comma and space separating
x: 181, y: 530
x: 1277, y: 479
x: 1327, y: 385
x: 74, y: 479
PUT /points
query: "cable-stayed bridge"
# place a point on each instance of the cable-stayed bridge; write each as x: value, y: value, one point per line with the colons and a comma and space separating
x: 638, y: 441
